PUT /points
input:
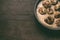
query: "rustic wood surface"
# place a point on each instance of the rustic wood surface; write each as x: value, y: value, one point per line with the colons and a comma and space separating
x: 17, y: 22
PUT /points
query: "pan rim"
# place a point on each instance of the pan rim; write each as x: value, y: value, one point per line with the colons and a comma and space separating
x: 35, y: 14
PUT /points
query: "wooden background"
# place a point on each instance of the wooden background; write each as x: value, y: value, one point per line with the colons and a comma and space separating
x: 17, y: 22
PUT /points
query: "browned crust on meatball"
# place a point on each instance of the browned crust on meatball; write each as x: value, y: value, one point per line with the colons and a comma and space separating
x: 58, y: 23
x: 46, y: 4
x: 50, y: 11
x: 53, y: 2
x: 56, y: 14
x: 49, y: 20
x: 42, y: 11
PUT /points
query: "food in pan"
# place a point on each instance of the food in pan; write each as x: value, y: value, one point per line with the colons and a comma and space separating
x: 48, y: 12
x: 57, y: 7
x: 58, y: 22
x: 42, y: 11
x: 57, y: 14
x: 46, y: 4
x: 49, y: 20
x: 53, y: 2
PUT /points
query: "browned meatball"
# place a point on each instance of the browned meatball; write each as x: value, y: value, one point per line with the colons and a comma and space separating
x: 42, y: 11
x: 46, y: 4
x: 49, y: 20
x: 50, y: 11
x: 57, y: 7
x: 58, y: 22
x: 53, y: 2
x: 57, y: 15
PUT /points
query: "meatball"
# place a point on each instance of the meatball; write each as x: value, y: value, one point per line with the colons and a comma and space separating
x: 46, y: 4
x: 58, y: 22
x: 53, y: 2
x: 57, y: 15
x: 49, y: 20
x: 57, y: 7
x: 42, y: 11
x: 50, y: 11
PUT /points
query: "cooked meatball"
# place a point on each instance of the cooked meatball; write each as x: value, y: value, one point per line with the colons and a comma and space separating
x: 49, y: 20
x: 57, y: 15
x: 42, y: 11
x: 57, y: 7
x: 46, y: 4
x: 53, y: 2
x: 58, y: 22
x: 50, y: 11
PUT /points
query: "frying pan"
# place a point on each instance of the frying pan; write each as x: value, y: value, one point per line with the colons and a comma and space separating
x: 35, y: 14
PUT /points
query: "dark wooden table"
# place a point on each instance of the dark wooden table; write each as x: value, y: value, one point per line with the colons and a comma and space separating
x: 17, y: 22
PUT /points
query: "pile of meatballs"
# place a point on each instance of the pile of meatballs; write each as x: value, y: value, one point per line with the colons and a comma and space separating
x: 51, y: 7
